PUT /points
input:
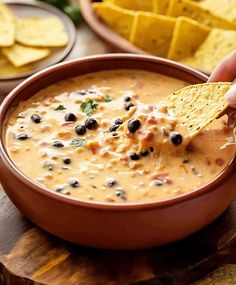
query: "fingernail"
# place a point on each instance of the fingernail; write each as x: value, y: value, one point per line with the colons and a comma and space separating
x: 230, y: 96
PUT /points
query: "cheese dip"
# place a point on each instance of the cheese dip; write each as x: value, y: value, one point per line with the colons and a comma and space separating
x: 104, y: 137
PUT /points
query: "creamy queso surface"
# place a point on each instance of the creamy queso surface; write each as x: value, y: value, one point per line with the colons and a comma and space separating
x: 103, y: 136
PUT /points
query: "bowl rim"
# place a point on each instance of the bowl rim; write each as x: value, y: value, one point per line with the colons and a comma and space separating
x: 65, y: 50
x: 7, y: 162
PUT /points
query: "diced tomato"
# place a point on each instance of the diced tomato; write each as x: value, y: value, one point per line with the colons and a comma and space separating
x: 124, y: 158
x: 146, y: 136
x: 68, y: 124
x: 43, y: 144
x: 129, y: 135
x: 152, y: 120
x: 219, y: 161
x: 163, y: 177
x: 208, y: 161
x: 94, y: 148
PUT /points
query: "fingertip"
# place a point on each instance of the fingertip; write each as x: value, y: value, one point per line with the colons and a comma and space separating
x: 230, y: 96
x: 225, y: 71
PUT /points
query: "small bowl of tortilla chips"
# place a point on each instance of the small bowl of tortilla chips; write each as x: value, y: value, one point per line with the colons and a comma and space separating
x: 199, y: 33
x: 32, y: 36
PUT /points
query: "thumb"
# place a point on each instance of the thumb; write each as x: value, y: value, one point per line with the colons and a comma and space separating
x: 230, y: 96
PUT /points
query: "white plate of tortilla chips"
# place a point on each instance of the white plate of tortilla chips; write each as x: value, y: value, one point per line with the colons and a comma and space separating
x: 33, y: 35
x: 199, y: 33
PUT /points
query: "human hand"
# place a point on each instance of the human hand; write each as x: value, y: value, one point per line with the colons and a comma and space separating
x: 226, y: 72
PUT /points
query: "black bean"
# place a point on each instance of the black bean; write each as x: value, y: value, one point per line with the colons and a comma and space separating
x: 133, y: 125
x: 91, y: 124
x: 128, y: 106
x: 121, y: 194
x: 194, y: 170
x: 151, y: 149
x: 80, y: 130
x: 59, y: 189
x: 82, y: 92
x: 113, y: 128
x: 114, y: 134
x: 176, y: 138
x: 134, y: 156
x: 67, y: 160
x: 118, y: 122
x: 85, y: 92
x: 74, y: 183
x: 111, y: 182
x: 70, y: 117
x: 186, y: 160
x: 22, y: 136
x: 127, y: 98
x: 57, y: 144
x: 36, y: 118
x: 144, y: 153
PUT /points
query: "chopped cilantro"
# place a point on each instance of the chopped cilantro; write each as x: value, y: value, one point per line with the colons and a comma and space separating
x: 60, y: 107
x: 88, y: 107
x: 78, y: 142
x: 107, y: 98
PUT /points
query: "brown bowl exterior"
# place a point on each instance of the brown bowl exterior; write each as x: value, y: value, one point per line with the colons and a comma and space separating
x: 114, y: 226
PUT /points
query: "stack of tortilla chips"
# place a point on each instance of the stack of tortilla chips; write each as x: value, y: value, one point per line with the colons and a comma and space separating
x: 27, y: 40
x: 197, y: 33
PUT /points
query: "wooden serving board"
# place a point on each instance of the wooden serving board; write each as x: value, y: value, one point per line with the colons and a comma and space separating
x: 29, y: 255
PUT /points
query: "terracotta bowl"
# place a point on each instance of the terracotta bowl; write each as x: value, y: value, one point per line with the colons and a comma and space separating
x: 104, y: 225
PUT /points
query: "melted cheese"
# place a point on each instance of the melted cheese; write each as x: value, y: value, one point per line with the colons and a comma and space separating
x: 101, y: 164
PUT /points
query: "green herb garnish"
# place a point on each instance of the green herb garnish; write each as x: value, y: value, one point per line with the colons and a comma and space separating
x: 71, y: 9
x: 60, y: 107
x: 107, y: 98
x: 78, y: 142
x: 88, y: 107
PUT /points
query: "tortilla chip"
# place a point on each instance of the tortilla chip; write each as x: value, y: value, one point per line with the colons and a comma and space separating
x: 137, y: 5
x: 187, y: 37
x: 118, y: 19
x: 226, y: 9
x: 152, y: 33
x: 20, y: 55
x: 8, y: 69
x: 196, y: 106
x: 218, y: 44
x: 41, y: 32
x: 195, y: 11
x: 7, y: 26
x: 160, y: 6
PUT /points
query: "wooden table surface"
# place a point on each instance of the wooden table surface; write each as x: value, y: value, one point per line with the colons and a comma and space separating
x: 28, y: 255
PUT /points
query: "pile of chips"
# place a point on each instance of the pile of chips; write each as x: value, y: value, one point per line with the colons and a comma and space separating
x: 198, y: 33
x: 27, y: 40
